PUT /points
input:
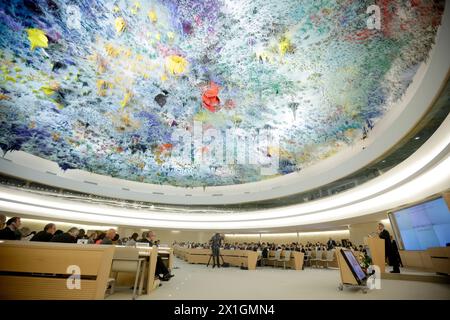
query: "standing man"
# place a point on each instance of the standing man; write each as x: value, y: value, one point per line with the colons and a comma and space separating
x: 395, y: 251
x: 331, y: 244
x: 389, y: 253
x: 216, y: 242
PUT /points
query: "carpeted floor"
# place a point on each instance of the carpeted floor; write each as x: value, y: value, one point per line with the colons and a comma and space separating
x: 200, y: 283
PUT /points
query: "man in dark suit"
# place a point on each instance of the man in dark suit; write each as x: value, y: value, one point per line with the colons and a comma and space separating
x: 11, y: 231
x: 108, y: 239
x: 331, y: 244
x: 67, y: 237
x: 395, y: 251
x: 388, y: 251
x: 45, y: 235
x: 161, y: 269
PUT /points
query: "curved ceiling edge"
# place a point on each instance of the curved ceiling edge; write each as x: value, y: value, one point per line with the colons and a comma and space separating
x: 410, y: 192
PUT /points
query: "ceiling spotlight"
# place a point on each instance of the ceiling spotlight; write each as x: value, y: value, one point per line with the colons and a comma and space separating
x: 417, y: 138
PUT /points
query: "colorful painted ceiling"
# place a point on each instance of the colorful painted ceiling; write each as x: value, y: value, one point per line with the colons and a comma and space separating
x: 103, y: 86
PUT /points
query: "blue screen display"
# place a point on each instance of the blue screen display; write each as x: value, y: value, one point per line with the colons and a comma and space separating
x: 425, y: 225
x: 353, y: 264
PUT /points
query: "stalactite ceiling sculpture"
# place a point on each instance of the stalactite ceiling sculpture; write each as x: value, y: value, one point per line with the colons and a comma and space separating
x: 102, y: 86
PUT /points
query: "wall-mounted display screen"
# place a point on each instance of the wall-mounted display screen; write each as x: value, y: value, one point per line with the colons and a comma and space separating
x: 425, y: 225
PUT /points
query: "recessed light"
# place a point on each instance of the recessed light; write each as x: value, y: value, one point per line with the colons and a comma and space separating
x: 417, y: 138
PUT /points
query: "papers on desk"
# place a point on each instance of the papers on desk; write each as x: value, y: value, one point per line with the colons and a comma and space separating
x: 142, y: 244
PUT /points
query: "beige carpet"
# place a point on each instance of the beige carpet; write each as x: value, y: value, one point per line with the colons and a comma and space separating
x: 200, y: 283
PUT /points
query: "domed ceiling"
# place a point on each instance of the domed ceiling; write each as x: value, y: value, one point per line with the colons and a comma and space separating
x: 120, y: 88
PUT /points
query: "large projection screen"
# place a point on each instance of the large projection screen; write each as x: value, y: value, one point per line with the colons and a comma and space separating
x: 424, y: 225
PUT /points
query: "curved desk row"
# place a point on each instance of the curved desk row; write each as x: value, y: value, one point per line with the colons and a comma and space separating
x: 246, y: 258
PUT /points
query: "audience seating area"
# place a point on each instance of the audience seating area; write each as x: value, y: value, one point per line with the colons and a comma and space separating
x: 38, y: 267
x: 44, y: 270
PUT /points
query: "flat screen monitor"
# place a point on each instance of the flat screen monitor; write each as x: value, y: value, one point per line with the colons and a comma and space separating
x: 354, y: 266
x: 425, y: 225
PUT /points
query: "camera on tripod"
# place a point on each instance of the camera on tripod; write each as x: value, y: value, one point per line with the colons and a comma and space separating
x: 215, y: 244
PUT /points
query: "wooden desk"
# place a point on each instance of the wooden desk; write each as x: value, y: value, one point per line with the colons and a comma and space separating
x: 376, y: 247
x: 295, y: 262
x: 180, y: 252
x: 417, y: 259
x: 127, y: 279
x: 440, y: 259
x: 40, y: 270
x: 238, y: 258
x: 167, y: 256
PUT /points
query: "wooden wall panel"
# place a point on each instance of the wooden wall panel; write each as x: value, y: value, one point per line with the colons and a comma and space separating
x: 37, y: 270
x: 29, y: 288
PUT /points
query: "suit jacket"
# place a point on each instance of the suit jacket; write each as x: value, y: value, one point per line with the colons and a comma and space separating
x: 150, y: 243
x: 8, y: 234
x: 42, y: 236
x: 216, y: 241
x: 106, y: 241
x: 387, y: 242
x: 331, y: 244
x: 64, y: 237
